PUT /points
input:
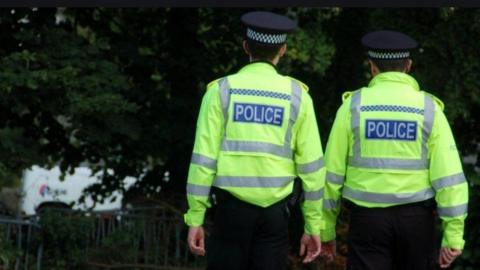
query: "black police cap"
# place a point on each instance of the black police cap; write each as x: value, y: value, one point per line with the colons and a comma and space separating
x: 388, y: 45
x: 267, y: 27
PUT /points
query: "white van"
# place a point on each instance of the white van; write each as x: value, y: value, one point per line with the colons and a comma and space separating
x: 43, y: 187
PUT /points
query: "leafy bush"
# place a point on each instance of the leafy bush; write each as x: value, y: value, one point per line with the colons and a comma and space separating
x: 65, y: 238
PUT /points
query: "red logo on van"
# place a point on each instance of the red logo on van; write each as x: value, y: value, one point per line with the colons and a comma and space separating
x: 44, y: 190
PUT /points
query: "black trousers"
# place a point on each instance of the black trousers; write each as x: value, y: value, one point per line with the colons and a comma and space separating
x: 399, y: 238
x: 246, y: 236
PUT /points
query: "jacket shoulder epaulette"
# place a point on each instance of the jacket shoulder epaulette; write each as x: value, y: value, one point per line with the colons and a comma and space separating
x: 302, y: 84
x: 347, y: 94
x: 436, y: 100
x: 212, y: 83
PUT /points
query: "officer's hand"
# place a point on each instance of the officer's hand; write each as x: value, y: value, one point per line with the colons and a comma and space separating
x: 329, y: 250
x: 196, y: 240
x: 310, y: 246
x: 447, y: 256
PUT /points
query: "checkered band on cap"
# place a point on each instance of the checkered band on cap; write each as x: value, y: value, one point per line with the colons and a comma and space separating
x: 266, y: 38
x: 388, y: 55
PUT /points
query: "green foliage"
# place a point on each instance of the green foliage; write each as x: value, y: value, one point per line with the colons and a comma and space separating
x: 123, y: 239
x: 310, y: 49
x: 65, y: 238
x: 8, y: 253
x: 105, y: 85
x: 7, y: 178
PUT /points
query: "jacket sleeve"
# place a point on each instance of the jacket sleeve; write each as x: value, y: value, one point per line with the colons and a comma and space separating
x: 336, y: 156
x: 203, y: 165
x: 448, y: 180
x: 310, y: 166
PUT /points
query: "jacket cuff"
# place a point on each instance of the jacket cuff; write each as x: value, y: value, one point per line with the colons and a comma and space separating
x: 453, y: 243
x: 313, y: 228
x: 194, y: 218
x: 328, y: 234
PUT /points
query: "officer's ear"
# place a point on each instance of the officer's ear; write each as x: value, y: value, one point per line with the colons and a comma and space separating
x: 408, y: 68
x: 282, y: 50
x: 373, y: 68
x: 245, y: 47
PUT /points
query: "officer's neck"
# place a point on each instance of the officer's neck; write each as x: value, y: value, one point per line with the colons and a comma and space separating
x: 273, y: 62
x: 374, y: 74
x: 374, y: 70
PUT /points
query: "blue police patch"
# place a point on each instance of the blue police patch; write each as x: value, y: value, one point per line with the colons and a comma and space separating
x: 391, y: 130
x: 258, y: 113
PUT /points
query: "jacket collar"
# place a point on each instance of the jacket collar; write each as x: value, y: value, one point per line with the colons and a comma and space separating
x: 394, y: 77
x: 259, y: 66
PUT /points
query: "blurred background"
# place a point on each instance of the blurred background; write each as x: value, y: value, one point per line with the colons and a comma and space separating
x: 98, y: 110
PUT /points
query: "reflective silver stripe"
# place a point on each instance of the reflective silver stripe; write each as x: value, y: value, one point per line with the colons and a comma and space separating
x: 284, y: 150
x: 311, y: 167
x: 296, y: 100
x: 252, y: 181
x: 314, y: 195
x: 331, y: 204
x: 428, y: 118
x: 294, y: 110
x: 390, y: 163
x: 387, y: 163
x: 388, y: 197
x: 204, y: 161
x: 355, y: 123
x: 198, y: 190
x: 224, y: 97
x: 453, y: 211
x: 335, y: 178
x: 448, y: 181
x: 260, y: 147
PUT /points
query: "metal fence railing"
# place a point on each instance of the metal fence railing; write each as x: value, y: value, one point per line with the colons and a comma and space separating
x: 17, y: 248
x: 154, y: 238
x: 140, y: 238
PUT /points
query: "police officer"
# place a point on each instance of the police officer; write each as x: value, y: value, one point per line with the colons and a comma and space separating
x: 256, y: 132
x: 392, y: 156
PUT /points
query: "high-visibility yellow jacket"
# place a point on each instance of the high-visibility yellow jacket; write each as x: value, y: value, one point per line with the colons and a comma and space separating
x: 256, y: 132
x: 391, y: 144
